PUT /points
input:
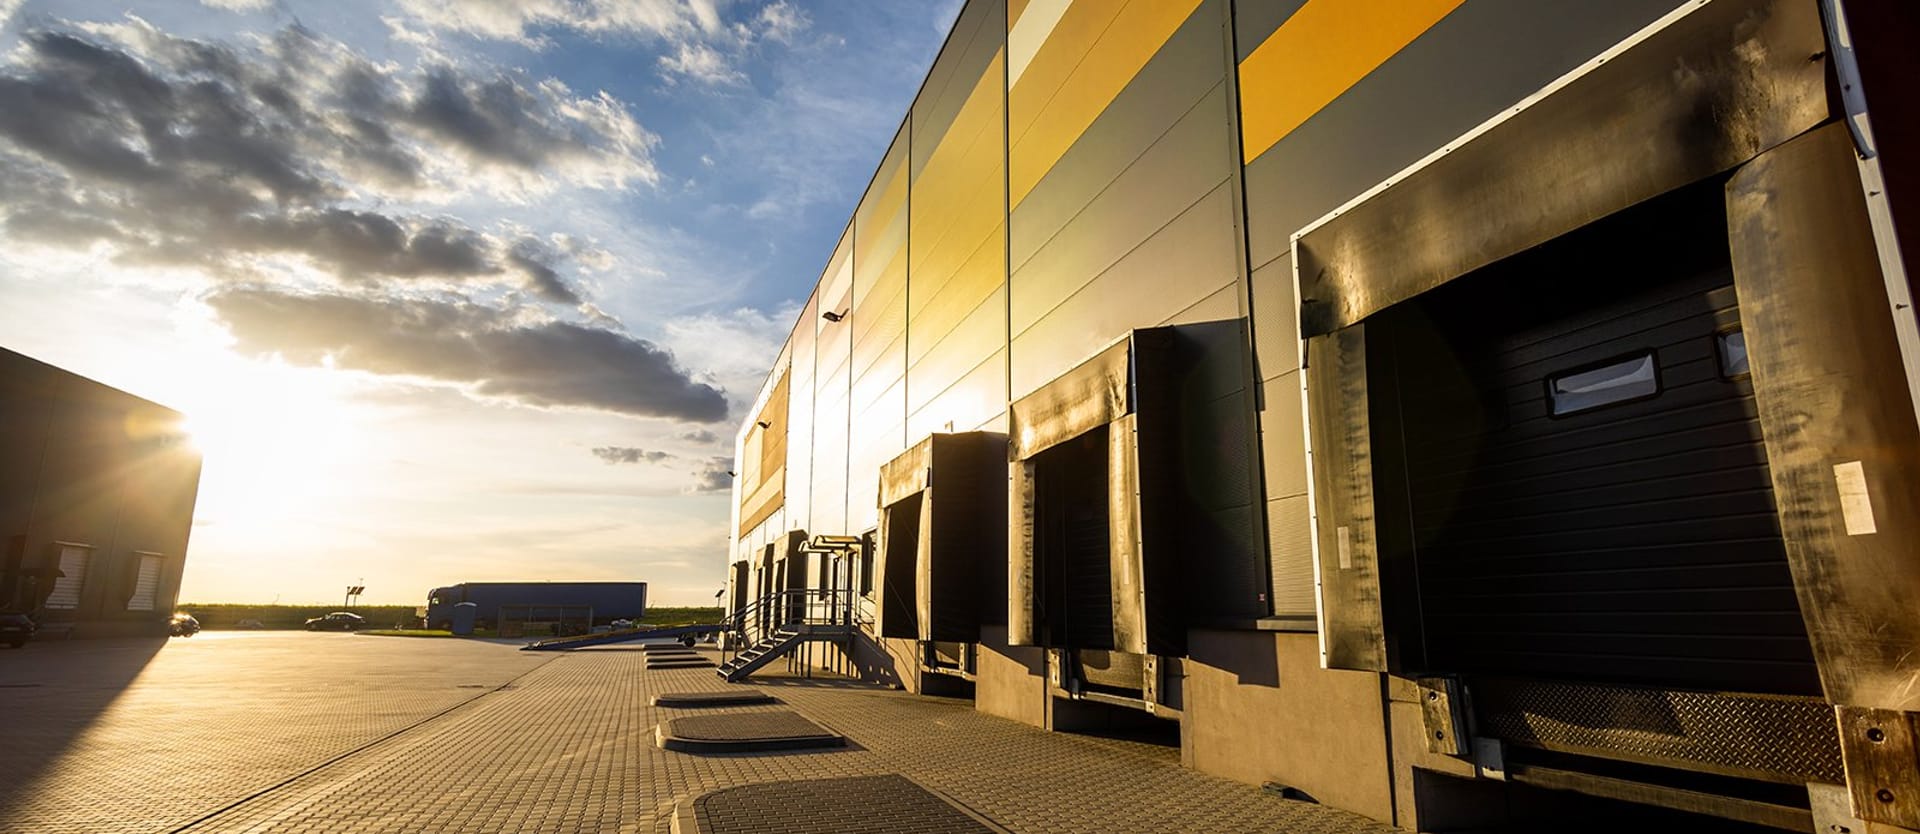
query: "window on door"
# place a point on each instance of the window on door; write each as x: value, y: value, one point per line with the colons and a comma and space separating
x: 1621, y: 380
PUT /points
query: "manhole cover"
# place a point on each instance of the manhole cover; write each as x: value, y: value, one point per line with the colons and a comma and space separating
x: 885, y: 804
x: 722, y: 698
x: 746, y: 732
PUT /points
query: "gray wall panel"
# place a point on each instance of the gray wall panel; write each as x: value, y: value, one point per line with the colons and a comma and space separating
x: 1484, y: 57
x: 1190, y: 259
x: 799, y: 486
x: 981, y: 273
x: 887, y: 372
x: 1254, y: 20
x: 1178, y: 77
x: 1181, y: 169
x: 1282, y: 443
x: 956, y: 353
x: 828, y: 513
x: 971, y: 401
x: 879, y: 325
x: 977, y: 36
x: 1276, y: 334
x: 1223, y: 304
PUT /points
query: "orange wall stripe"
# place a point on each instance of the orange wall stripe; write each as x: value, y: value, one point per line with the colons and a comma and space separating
x: 1318, y: 55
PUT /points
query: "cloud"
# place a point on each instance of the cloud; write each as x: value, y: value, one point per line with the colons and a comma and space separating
x: 237, y: 5
x: 532, y: 257
x: 700, y: 42
x: 491, y: 351
x: 180, y: 151
x: 783, y: 20
x: 702, y: 62
x: 629, y: 454
x: 701, y: 436
x: 282, y: 168
x: 715, y: 475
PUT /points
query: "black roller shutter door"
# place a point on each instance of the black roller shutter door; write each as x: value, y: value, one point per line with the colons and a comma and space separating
x: 1630, y: 537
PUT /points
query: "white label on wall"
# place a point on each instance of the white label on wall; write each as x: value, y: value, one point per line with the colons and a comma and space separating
x: 1856, y: 506
x: 1346, y: 548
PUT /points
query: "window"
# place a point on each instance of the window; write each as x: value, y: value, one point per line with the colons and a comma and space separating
x: 146, y: 585
x: 74, y: 559
x: 1733, y: 354
x: 1618, y: 381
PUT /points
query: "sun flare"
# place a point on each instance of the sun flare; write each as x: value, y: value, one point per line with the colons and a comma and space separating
x: 273, y: 443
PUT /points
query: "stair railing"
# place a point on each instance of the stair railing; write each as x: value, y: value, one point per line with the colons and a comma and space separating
x: 804, y: 607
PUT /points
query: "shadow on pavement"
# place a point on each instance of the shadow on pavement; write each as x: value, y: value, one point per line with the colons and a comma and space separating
x: 52, y: 692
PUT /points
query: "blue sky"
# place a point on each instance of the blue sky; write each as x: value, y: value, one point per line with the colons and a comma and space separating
x: 448, y: 291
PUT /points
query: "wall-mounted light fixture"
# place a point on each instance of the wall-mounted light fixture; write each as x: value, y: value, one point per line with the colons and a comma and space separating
x: 731, y: 475
x: 763, y: 424
x: 833, y: 316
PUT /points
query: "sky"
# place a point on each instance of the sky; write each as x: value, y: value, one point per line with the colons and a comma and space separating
x: 447, y: 291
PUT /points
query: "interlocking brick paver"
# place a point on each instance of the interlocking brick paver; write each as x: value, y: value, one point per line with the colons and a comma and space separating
x: 146, y: 735
x: 569, y: 747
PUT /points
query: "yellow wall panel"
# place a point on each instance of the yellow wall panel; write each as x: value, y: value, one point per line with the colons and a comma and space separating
x: 934, y: 319
x: 1065, y: 46
x: 763, y: 467
x: 1104, y: 68
x: 878, y: 226
x: 957, y: 222
x: 961, y: 180
x: 1318, y: 54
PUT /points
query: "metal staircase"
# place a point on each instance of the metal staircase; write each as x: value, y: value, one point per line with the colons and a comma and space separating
x: 776, y: 625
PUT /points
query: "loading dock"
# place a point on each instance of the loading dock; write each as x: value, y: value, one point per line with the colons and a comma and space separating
x: 1126, y: 516
x: 1577, y: 453
x: 1546, y: 448
x: 944, y: 577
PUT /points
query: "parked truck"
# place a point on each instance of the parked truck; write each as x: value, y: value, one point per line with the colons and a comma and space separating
x: 568, y: 605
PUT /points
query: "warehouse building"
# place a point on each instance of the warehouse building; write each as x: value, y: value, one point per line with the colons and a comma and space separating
x: 97, y: 489
x: 1454, y: 411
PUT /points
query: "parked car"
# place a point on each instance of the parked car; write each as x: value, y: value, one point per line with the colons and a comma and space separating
x: 337, y: 621
x: 183, y: 625
x: 621, y: 625
x: 250, y: 624
x: 16, y: 628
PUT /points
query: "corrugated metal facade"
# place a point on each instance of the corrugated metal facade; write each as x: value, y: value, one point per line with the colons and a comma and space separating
x: 1068, y: 173
x: 1074, y: 172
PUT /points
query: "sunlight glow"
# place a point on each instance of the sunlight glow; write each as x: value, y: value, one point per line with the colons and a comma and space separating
x: 275, y: 441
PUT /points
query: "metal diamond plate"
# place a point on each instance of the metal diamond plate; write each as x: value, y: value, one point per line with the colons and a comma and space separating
x: 1775, y: 738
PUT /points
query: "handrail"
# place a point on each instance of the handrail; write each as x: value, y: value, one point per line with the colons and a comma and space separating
x: 794, y: 607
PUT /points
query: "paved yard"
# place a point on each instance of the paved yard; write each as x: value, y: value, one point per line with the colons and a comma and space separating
x: 329, y: 733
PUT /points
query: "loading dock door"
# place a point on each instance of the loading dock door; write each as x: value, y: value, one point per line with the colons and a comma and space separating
x: 1584, y: 485
x: 1072, y: 542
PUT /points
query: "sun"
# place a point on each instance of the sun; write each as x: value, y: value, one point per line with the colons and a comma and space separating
x: 273, y: 443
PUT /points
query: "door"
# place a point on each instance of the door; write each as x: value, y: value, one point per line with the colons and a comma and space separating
x: 1584, y: 483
